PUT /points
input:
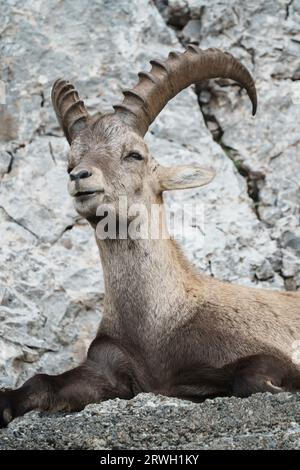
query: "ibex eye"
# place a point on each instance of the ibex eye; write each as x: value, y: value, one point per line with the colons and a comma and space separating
x: 69, y: 170
x: 134, y: 156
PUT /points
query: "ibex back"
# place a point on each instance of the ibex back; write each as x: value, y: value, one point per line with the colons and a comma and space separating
x: 165, y: 328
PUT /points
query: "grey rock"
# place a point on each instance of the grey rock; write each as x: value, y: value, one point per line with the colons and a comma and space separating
x: 265, y: 271
x: 175, y: 12
x: 5, y: 162
x: 191, y: 32
x: 156, y: 422
x: 292, y: 241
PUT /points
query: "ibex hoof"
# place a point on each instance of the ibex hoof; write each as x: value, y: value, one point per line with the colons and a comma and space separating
x: 6, y: 414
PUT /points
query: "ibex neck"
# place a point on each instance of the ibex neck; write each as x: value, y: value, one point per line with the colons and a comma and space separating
x: 135, y: 262
x: 143, y: 274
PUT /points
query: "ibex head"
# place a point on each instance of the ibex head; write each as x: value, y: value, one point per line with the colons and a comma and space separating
x: 109, y: 156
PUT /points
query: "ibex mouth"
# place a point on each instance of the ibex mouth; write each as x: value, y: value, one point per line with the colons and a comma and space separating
x: 87, y: 194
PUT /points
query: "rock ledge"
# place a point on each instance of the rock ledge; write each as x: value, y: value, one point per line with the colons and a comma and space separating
x: 155, y: 422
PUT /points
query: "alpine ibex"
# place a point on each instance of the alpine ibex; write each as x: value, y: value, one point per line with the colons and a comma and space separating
x: 165, y: 328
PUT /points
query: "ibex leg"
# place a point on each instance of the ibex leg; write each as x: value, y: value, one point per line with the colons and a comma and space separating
x: 92, y: 382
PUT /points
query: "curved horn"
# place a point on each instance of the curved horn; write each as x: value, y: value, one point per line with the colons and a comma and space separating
x: 166, y: 79
x: 70, y: 110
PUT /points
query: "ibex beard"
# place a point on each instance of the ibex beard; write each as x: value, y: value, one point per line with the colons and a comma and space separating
x: 166, y: 328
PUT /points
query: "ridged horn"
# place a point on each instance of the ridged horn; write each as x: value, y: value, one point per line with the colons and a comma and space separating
x: 144, y: 102
x: 69, y: 108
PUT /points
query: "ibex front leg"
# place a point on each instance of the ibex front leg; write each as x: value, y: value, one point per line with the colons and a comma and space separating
x: 92, y: 382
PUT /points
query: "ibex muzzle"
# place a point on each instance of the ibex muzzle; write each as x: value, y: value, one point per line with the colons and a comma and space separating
x: 165, y: 328
x: 80, y: 174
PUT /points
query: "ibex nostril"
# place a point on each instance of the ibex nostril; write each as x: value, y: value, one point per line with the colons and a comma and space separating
x: 80, y: 175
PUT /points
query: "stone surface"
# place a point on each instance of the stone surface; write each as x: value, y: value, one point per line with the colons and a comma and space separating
x: 51, y: 285
x: 155, y: 422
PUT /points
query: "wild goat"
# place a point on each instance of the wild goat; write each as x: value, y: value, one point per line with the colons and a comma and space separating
x: 165, y: 328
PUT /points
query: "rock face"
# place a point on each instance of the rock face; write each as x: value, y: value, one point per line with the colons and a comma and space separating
x: 51, y: 284
x: 155, y: 422
x: 266, y: 37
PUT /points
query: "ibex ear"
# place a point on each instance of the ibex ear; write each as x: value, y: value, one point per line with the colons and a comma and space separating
x: 183, y: 177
